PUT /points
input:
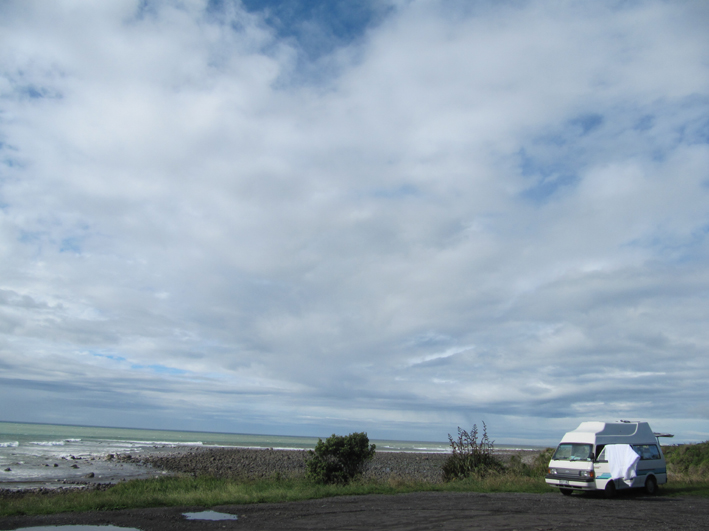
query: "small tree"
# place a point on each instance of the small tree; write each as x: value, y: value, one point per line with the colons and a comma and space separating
x: 340, y: 458
x: 470, y: 456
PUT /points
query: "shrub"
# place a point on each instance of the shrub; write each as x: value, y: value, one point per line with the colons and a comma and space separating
x: 340, y: 458
x: 470, y: 456
x: 538, y: 468
x: 690, y: 460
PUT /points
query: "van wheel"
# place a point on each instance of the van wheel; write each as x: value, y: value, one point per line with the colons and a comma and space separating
x: 566, y: 492
x: 651, y: 486
x: 610, y: 489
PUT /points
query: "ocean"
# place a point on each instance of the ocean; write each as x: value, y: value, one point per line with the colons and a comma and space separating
x: 46, y: 455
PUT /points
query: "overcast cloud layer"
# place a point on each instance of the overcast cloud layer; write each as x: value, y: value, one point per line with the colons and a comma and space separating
x: 397, y: 219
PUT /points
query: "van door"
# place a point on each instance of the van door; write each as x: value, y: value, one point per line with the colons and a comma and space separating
x: 601, y: 468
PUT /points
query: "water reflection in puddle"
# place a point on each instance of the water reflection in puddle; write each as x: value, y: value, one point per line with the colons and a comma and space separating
x: 77, y: 528
x: 210, y: 515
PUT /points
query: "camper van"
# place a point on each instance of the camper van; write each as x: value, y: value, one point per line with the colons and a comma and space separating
x: 608, y: 456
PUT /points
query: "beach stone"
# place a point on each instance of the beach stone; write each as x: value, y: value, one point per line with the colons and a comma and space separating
x: 253, y: 463
x: 268, y: 463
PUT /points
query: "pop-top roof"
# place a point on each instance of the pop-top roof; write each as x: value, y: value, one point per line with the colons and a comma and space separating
x: 607, y: 432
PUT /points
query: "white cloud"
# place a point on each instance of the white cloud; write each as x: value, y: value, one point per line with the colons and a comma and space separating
x: 468, y: 213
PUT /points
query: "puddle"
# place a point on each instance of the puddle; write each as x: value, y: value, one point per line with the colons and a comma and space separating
x: 210, y: 515
x: 77, y: 528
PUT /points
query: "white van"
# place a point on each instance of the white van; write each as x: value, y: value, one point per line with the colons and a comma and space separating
x: 608, y: 456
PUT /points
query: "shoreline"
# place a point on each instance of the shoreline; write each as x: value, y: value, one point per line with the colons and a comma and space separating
x: 232, y: 463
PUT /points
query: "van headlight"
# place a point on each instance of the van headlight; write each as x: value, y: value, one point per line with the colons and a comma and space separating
x: 586, y: 474
x: 553, y: 471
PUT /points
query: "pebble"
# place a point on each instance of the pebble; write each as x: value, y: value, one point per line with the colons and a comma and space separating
x: 267, y: 463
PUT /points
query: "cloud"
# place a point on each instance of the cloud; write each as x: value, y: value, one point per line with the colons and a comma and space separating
x: 399, y: 218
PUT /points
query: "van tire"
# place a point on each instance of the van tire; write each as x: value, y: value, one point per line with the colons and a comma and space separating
x: 566, y: 492
x: 651, y: 486
x: 610, y: 489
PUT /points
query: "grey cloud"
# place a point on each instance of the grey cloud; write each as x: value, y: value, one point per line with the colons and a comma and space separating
x: 501, y: 213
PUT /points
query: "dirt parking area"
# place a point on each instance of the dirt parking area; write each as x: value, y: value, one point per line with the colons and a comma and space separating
x: 417, y: 511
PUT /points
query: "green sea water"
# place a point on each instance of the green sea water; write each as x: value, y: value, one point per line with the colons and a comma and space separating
x: 50, y: 435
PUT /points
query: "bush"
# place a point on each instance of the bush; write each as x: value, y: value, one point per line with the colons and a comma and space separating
x: 688, y: 459
x: 470, y: 456
x: 340, y: 458
x: 537, y: 469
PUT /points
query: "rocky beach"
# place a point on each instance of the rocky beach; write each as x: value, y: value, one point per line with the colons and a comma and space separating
x: 238, y: 463
x: 248, y: 463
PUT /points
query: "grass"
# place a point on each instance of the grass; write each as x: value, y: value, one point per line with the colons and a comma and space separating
x: 684, y: 488
x: 210, y: 492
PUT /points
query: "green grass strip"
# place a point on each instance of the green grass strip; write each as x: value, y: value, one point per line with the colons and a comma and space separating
x: 209, y: 492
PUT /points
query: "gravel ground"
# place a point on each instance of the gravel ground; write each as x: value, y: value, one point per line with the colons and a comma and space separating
x: 416, y: 511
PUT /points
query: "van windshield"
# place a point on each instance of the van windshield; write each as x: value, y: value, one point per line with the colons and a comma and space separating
x: 573, y: 452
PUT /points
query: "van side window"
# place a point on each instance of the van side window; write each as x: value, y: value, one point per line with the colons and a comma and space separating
x: 602, y: 456
x: 599, y: 451
x: 647, y: 452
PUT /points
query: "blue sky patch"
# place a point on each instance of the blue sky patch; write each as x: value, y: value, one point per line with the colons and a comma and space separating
x: 549, y: 178
x: 107, y: 356
x: 34, y: 92
x: 70, y: 245
x: 160, y: 369
x: 317, y: 27
x: 587, y: 123
x: 545, y: 189
x: 645, y: 123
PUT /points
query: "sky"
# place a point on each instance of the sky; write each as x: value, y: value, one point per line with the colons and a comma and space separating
x: 391, y: 216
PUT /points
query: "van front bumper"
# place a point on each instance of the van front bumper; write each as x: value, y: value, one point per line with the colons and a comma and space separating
x: 573, y: 482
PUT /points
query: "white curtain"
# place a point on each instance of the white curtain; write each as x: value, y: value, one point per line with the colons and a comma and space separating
x: 623, y: 462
